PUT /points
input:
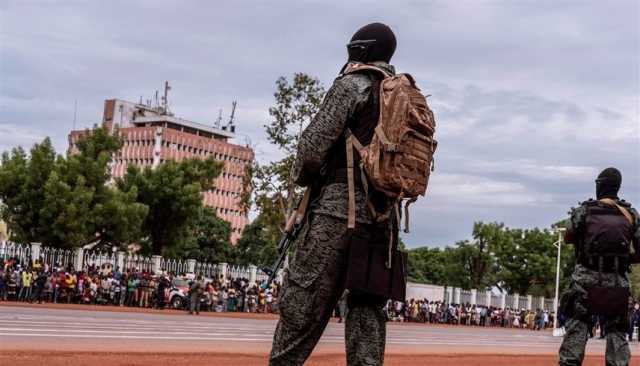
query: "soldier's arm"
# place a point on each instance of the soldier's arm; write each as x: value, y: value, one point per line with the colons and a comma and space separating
x: 575, y: 224
x: 342, y: 99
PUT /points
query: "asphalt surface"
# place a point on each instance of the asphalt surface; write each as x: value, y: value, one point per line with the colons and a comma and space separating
x: 42, y: 329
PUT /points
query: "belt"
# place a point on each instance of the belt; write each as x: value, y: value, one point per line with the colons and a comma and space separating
x: 339, y: 175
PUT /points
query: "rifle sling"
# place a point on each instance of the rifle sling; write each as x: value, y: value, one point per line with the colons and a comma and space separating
x: 297, y: 217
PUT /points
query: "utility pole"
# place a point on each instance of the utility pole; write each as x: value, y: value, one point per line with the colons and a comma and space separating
x: 558, y: 244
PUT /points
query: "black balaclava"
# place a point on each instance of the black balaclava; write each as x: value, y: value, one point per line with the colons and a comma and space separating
x: 608, y: 183
x: 373, y: 42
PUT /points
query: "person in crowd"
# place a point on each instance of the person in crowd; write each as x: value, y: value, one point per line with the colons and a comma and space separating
x: 163, y: 285
x: 39, y: 285
x: 25, y: 292
x: 3, y: 285
x: 143, y: 291
x: 70, y: 283
x: 195, y: 292
x: 132, y: 290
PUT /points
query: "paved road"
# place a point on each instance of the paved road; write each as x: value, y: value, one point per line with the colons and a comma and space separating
x: 52, y: 329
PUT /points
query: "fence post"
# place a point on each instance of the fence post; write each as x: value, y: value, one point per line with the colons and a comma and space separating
x: 223, y: 271
x: 155, y: 264
x: 253, y: 274
x: 78, y: 262
x: 503, y: 300
x: 474, y: 297
x: 516, y: 301
x: 456, y: 295
x: 529, y: 302
x: 191, y: 265
x: 35, y: 251
x: 487, y: 295
x: 120, y: 260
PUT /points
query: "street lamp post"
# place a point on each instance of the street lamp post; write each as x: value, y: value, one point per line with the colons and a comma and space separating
x: 558, y: 244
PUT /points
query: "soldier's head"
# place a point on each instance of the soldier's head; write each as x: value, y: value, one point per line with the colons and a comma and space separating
x: 373, y: 42
x: 608, y: 183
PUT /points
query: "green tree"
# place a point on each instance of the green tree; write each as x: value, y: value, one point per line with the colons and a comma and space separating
x: 427, y: 265
x: 634, y: 280
x: 65, y: 202
x: 173, y: 194
x: 80, y: 207
x: 22, y: 189
x: 257, y: 245
x: 526, y: 262
x: 472, y: 262
x: 271, y: 185
x: 209, y: 239
x: 296, y: 104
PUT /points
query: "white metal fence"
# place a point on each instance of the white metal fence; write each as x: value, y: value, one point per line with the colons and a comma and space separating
x: 138, y: 262
x: 80, y: 258
x: 55, y: 257
x: 98, y: 259
x: 21, y: 252
x: 209, y: 270
x: 176, y: 266
x: 523, y: 302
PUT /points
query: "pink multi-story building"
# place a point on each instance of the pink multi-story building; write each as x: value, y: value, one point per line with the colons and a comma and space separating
x: 152, y: 135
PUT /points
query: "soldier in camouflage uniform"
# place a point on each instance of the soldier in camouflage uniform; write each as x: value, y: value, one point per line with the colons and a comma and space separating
x: 588, y: 221
x: 314, y: 280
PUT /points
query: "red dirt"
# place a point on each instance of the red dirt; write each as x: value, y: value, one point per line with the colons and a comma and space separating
x: 202, y: 359
x: 125, y: 309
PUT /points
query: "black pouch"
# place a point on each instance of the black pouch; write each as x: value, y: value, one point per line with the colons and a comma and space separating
x: 608, y: 301
x: 367, y: 271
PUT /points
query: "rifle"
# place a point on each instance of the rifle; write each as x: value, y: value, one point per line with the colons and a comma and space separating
x: 291, y: 231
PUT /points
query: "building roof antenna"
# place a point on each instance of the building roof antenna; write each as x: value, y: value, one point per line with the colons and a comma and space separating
x: 219, y: 120
x: 165, y: 98
x: 233, y: 112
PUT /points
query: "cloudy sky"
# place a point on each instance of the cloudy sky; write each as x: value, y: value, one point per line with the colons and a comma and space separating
x: 532, y: 98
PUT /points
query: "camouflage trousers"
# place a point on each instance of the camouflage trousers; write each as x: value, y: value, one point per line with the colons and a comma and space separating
x: 313, y: 284
x: 573, y: 346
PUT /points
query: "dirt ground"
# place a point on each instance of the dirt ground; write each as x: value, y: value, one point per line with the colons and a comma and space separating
x: 202, y: 359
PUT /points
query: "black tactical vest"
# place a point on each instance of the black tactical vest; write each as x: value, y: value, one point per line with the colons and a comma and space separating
x: 606, y: 238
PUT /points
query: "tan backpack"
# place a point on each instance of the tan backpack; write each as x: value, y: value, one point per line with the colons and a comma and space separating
x: 399, y: 159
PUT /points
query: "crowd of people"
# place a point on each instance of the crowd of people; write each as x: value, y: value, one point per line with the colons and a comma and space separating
x: 105, y: 285
x: 439, y: 312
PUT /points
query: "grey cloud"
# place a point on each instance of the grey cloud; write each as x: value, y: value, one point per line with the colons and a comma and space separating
x: 531, y: 97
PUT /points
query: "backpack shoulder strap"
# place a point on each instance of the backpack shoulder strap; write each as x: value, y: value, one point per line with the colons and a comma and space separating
x: 356, y: 67
x: 351, y: 143
x: 623, y: 211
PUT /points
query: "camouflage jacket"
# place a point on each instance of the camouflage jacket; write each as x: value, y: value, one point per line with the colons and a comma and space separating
x: 346, y: 96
